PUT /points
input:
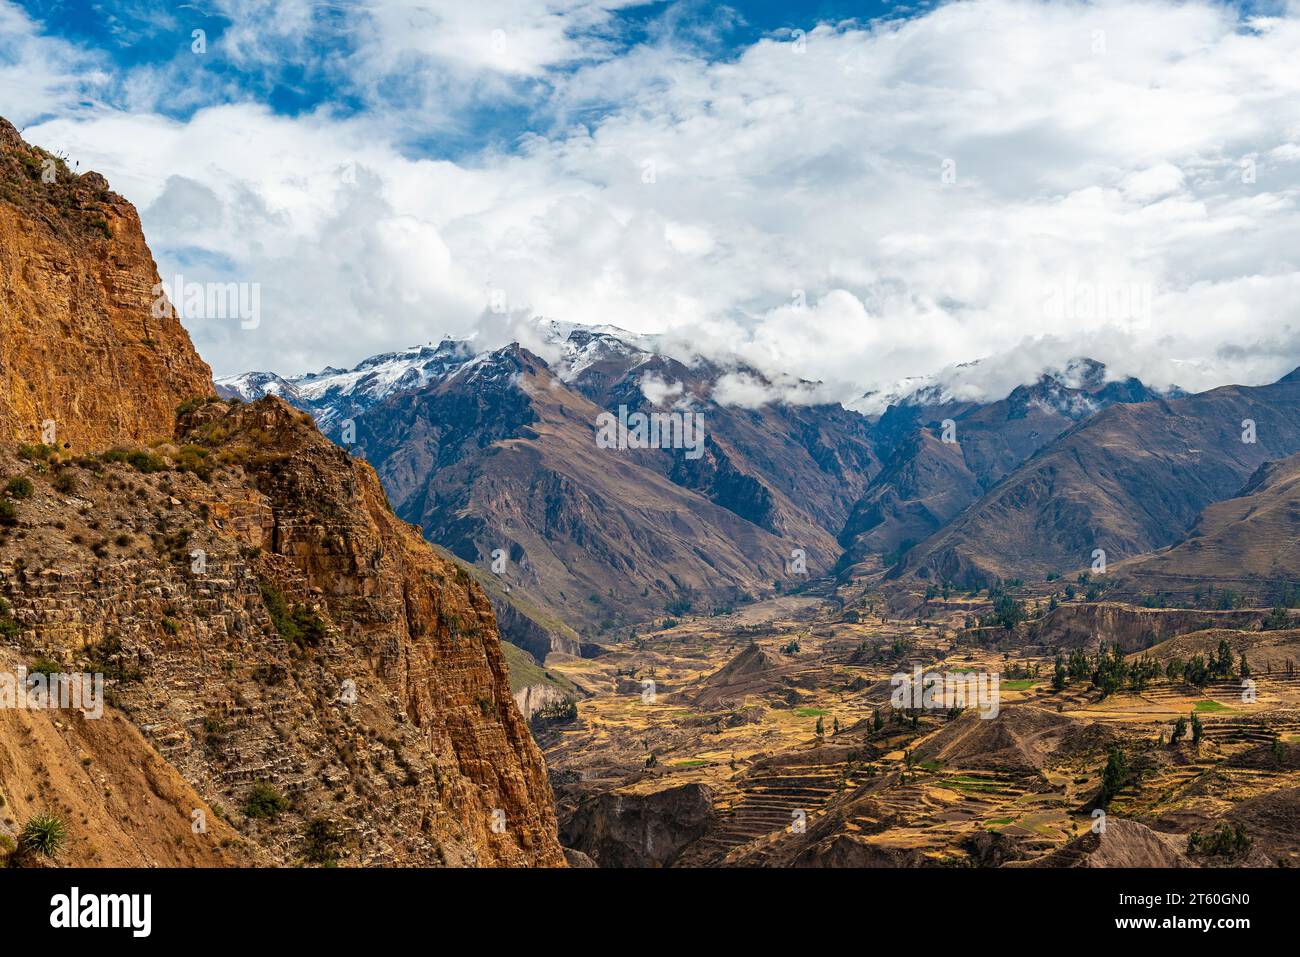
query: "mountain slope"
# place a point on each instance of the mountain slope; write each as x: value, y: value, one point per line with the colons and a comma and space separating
x: 335, y: 395
x: 927, y: 482
x: 501, y: 455
x: 1249, y: 543
x: 1128, y: 480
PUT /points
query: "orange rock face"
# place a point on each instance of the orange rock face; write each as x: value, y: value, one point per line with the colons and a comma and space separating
x: 263, y: 620
x: 80, y: 345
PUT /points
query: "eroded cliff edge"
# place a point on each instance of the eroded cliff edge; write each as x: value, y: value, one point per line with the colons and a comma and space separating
x: 267, y: 626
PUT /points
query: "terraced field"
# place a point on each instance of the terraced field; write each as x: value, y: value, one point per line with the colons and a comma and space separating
x: 781, y: 718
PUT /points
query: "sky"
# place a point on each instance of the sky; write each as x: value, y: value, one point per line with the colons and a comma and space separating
x: 853, y: 193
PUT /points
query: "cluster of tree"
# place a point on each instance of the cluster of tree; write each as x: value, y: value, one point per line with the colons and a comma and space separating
x: 1227, y: 840
x: 1016, y: 671
x: 891, y: 558
x: 1107, y: 671
x: 1225, y: 600
x: 557, y: 712
x: 1008, y: 611
x: 681, y: 603
x: 1180, y: 730
x: 1199, y: 670
x: 901, y: 647
x: 1277, y: 619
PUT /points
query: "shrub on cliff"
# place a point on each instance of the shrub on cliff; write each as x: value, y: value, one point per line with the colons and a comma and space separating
x: 66, y: 482
x: 321, y: 840
x: 300, y: 625
x: 36, y: 453
x: 19, y: 487
x: 9, y: 628
x: 194, y: 458
x: 143, y: 461
x: 264, y: 801
x: 198, y: 402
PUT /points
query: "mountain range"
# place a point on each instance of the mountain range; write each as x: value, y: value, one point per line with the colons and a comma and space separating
x: 492, y: 451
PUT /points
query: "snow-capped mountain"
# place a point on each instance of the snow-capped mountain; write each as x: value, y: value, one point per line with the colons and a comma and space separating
x: 332, y: 395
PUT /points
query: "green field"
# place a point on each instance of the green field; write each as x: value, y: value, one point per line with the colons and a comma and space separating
x: 1210, y: 706
x: 1019, y: 684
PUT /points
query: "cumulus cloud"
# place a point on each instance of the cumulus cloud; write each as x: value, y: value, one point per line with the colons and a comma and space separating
x: 749, y: 391
x: 658, y: 391
x: 993, y: 178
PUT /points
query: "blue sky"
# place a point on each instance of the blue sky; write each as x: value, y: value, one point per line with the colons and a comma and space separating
x: 293, y: 78
x: 893, y: 191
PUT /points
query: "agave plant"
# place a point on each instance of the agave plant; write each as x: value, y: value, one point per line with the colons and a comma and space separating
x: 44, y: 834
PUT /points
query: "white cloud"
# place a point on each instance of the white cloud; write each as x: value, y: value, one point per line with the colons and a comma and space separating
x: 749, y: 391
x: 40, y: 74
x: 659, y: 391
x: 798, y: 213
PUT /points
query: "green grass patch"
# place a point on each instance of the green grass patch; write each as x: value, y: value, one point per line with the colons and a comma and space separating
x: 693, y: 763
x: 1210, y: 706
x: 811, y: 712
x: 1018, y: 684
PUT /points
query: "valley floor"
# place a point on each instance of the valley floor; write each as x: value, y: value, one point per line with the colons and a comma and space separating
x: 766, y: 738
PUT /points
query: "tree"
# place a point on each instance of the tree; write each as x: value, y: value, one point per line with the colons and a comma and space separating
x: 1115, y: 776
x: 1058, y: 675
x: 1142, y: 672
x: 1109, y: 671
x: 1180, y: 731
x: 1277, y: 619
x: 1008, y: 612
x: 1174, y: 669
x: 1222, y: 663
x: 1077, y: 667
x: 1196, y: 672
x: 821, y: 727
x: 1244, y: 667
x: 876, y: 721
x: 1198, y: 730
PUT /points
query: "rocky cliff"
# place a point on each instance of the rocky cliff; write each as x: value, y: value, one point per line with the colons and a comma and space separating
x: 281, y: 652
x: 80, y: 344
